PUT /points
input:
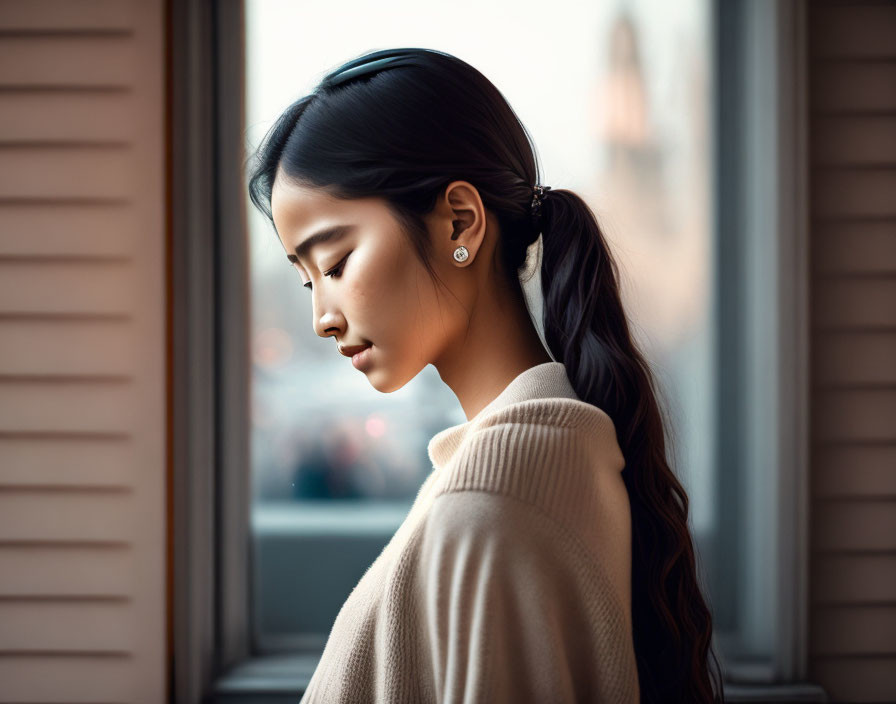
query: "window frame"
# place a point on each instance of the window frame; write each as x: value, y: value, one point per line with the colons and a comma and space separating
x: 761, y: 235
x: 210, y: 583
x: 209, y: 592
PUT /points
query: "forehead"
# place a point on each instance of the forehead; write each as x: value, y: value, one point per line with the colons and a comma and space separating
x: 295, y: 208
x: 299, y: 211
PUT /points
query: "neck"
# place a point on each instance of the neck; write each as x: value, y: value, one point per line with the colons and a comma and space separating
x: 500, y: 343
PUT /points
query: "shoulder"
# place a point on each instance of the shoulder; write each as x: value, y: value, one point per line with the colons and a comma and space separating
x: 472, y: 536
x: 486, y: 515
x: 500, y: 528
x: 560, y: 455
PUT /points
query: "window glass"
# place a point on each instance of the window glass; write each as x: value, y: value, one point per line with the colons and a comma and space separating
x: 617, y: 98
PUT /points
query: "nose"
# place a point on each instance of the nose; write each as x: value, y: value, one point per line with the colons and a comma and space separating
x: 327, y: 322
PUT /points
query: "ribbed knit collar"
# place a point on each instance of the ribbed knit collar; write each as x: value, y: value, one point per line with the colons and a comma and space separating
x: 543, y: 381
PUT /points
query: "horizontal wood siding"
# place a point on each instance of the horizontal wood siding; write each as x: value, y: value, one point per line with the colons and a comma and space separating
x: 852, y: 139
x: 82, y: 351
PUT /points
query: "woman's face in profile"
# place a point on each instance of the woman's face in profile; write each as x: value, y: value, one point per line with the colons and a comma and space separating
x: 366, y: 284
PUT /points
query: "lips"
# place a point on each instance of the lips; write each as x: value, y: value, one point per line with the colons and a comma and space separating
x: 351, y: 350
x: 362, y: 360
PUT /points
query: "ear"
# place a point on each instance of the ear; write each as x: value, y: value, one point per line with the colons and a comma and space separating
x: 460, y: 219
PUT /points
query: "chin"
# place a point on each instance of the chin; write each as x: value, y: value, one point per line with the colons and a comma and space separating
x: 384, y: 382
x: 382, y: 388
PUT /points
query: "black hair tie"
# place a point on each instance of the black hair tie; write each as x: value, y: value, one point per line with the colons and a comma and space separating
x: 537, y: 197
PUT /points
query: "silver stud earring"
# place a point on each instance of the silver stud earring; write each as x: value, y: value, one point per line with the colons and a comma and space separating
x: 461, y: 254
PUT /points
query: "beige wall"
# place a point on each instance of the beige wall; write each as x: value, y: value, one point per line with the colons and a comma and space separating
x: 853, y: 239
x: 82, y: 351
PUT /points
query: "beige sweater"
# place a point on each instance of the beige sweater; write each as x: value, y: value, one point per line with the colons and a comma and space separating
x: 509, y: 580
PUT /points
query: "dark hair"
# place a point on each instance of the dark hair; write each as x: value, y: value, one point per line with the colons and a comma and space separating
x: 401, y: 125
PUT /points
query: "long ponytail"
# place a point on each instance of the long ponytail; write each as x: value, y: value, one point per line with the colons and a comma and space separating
x: 586, y: 328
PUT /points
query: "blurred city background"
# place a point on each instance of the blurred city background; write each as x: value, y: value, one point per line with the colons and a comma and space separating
x: 619, y: 108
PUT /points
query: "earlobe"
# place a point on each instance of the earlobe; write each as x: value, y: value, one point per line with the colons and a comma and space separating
x: 461, y: 253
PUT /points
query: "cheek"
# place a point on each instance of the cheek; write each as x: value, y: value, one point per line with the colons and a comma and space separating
x: 373, y: 288
x: 390, y: 291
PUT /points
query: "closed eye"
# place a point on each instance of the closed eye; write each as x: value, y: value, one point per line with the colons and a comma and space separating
x: 335, y: 272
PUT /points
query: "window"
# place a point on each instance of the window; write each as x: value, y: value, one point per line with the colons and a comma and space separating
x: 336, y: 464
x: 692, y: 167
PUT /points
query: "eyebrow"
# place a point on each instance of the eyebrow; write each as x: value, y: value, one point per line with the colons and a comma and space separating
x: 329, y: 234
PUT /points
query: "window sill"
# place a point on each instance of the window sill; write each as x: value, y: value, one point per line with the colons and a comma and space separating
x: 282, y: 679
x: 265, y: 679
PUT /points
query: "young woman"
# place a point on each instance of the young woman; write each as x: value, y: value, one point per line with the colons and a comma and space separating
x: 547, y: 556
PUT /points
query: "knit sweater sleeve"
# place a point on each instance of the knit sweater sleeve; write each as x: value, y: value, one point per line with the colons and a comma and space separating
x: 515, y: 609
